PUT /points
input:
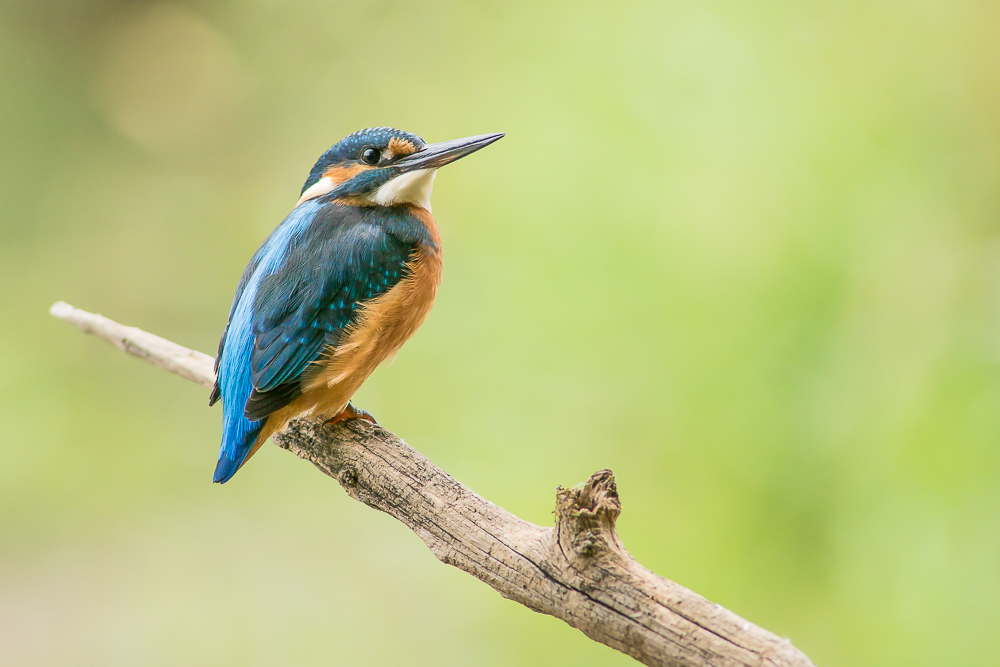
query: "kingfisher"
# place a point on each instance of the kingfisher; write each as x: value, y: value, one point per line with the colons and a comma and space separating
x: 336, y: 289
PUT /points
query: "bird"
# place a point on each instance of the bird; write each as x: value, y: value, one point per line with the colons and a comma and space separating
x: 335, y: 290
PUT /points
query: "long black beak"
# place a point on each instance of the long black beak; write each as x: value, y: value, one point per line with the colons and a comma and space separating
x: 437, y: 155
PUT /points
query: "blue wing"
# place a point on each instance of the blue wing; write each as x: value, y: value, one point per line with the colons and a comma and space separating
x: 306, y: 306
x: 302, y: 288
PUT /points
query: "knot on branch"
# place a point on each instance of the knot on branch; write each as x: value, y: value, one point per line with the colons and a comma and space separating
x: 348, y: 477
x: 586, y: 516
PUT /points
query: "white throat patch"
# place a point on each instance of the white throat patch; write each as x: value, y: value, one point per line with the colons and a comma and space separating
x: 413, y: 187
x: 317, y: 189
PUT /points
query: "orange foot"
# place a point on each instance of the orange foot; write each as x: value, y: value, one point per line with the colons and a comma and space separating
x: 351, y: 412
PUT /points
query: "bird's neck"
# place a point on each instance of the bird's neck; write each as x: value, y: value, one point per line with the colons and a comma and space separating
x: 427, y: 220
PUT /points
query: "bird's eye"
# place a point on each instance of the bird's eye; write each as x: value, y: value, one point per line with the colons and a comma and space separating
x: 371, y: 155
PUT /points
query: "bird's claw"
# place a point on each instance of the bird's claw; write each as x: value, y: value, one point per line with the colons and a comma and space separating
x: 351, y: 412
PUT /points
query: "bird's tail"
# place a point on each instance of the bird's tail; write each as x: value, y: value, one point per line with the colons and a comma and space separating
x: 239, y: 442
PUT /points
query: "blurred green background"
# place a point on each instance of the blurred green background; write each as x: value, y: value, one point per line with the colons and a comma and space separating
x: 745, y: 254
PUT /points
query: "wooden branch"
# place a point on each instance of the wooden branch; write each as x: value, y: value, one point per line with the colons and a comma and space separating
x: 577, y: 571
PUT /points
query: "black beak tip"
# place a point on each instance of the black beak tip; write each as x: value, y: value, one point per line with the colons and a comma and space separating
x: 480, y: 140
x: 484, y: 140
x: 496, y: 136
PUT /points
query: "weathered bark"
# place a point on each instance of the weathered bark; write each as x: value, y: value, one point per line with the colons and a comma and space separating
x: 577, y: 571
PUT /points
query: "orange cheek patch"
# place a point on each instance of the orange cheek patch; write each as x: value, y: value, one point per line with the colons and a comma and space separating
x: 400, y: 147
x: 341, y: 174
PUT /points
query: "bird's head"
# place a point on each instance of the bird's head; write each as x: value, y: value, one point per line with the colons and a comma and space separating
x: 382, y: 166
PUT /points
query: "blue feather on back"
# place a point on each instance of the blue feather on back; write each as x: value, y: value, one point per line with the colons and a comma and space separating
x: 238, y: 432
